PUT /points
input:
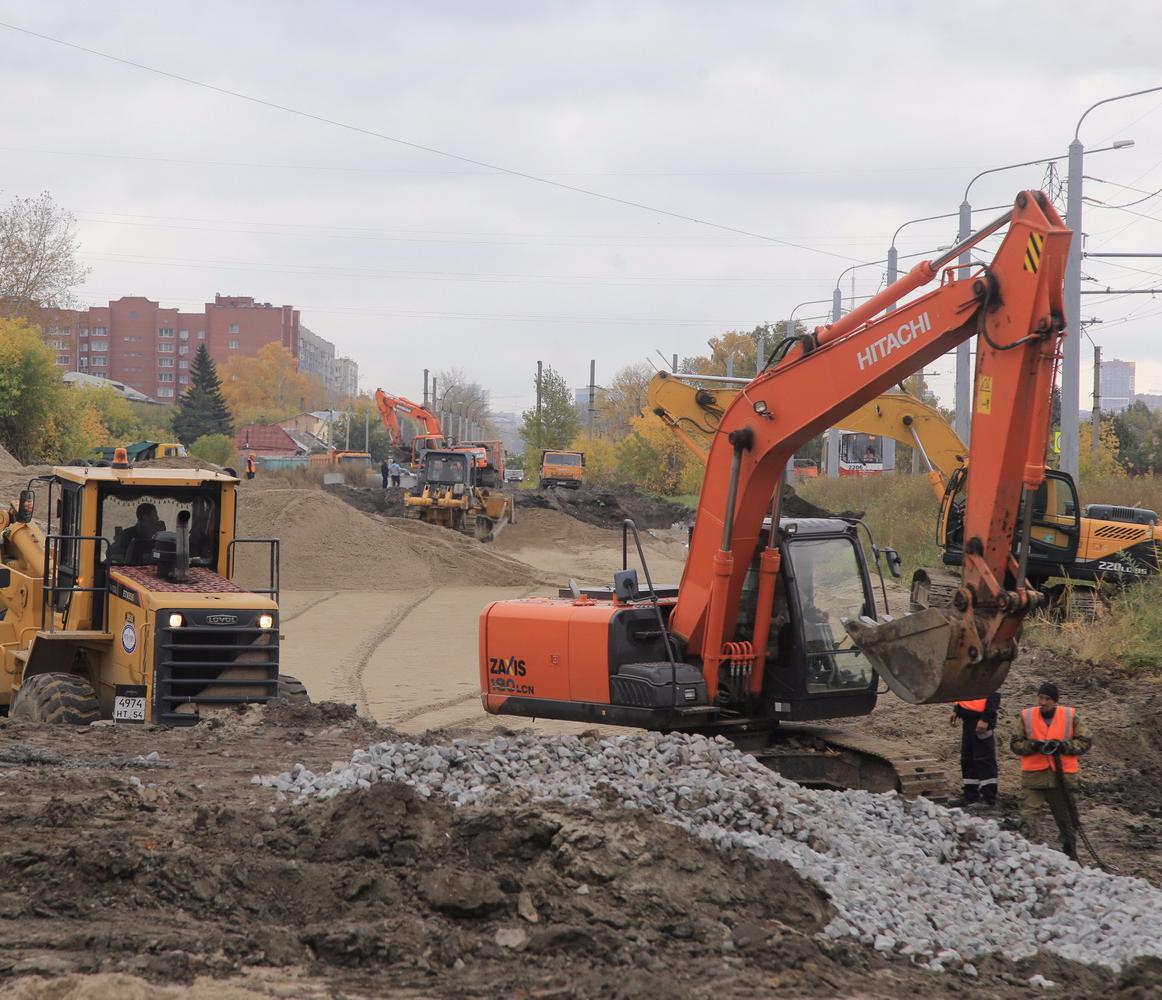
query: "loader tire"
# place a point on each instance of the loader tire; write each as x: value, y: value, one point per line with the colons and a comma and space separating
x: 292, y: 689
x: 57, y: 698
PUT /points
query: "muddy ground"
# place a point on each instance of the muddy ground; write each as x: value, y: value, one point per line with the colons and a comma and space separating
x: 179, y: 871
x: 124, y: 878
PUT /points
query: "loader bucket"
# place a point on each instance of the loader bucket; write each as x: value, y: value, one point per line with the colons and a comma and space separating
x: 922, y: 660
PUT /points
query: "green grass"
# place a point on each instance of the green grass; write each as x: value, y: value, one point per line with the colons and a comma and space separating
x: 900, y: 510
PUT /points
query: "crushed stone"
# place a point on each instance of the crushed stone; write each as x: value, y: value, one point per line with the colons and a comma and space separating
x: 906, y: 877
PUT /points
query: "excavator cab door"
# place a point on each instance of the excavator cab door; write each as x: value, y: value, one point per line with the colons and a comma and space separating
x: 68, y: 527
x: 819, y: 669
x: 1056, y: 523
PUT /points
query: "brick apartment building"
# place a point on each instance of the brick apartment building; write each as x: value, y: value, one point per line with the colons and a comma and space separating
x: 135, y: 341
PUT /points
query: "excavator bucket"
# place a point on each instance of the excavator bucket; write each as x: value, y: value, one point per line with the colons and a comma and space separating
x: 922, y: 658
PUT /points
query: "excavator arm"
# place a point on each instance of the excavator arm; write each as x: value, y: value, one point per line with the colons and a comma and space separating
x: 1014, y: 306
x: 392, y: 407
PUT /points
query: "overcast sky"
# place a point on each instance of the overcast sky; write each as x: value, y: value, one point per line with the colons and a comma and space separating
x: 824, y: 124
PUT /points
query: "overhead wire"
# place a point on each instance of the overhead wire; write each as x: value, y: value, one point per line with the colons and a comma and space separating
x: 421, y: 147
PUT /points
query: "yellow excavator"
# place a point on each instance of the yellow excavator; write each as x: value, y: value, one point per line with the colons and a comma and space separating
x: 692, y: 410
x: 1071, y: 551
x: 109, y: 614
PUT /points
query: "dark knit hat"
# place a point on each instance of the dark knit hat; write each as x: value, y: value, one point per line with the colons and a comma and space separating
x: 1050, y: 691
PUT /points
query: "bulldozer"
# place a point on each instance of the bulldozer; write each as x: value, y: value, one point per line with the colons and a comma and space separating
x: 449, y: 494
x: 775, y: 625
x: 105, y: 613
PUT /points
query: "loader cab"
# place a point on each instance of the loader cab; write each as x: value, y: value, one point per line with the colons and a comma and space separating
x: 814, y: 670
x: 445, y: 470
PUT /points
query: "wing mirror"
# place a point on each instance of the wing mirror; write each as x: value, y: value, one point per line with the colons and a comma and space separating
x: 895, y: 563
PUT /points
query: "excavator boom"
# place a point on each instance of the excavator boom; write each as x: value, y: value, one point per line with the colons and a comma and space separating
x: 1014, y: 306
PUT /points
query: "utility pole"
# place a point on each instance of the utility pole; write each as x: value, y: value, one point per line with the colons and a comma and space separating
x: 425, y: 388
x: 1096, y: 418
x: 1071, y: 350
x: 760, y: 354
x: 435, y: 395
x: 366, y: 430
x: 347, y: 439
x: 592, y: 393
x: 540, y: 426
x: 674, y: 364
x: 963, y: 421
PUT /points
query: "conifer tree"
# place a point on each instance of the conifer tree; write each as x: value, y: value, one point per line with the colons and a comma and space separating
x: 202, y: 410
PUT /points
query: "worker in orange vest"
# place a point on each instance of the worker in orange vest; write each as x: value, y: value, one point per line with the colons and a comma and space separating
x: 1049, y: 736
x: 978, y: 750
x: 251, y: 466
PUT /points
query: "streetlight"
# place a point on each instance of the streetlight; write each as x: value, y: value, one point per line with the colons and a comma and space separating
x: 1071, y: 360
x: 791, y: 321
x: 963, y: 363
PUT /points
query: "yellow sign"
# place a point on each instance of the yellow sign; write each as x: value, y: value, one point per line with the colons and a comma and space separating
x: 984, y: 394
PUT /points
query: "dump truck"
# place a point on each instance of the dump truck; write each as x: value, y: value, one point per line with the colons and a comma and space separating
x: 125, y: 605
x: 562, y: 468
x: 447, y: 494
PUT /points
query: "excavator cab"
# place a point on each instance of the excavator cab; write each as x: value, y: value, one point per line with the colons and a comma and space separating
x: 814, y: 670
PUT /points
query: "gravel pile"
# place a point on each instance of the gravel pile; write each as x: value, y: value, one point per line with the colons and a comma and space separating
x: 906, y: 876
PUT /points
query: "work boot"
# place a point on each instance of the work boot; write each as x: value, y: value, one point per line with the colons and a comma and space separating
x: 1069, y: 847
x: 982, y: 805
x: 962, y: 802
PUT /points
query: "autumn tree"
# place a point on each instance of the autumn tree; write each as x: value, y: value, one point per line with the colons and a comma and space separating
x: 202, y: 410
x: 737, y: 351
x: 269, y: 386
x: 38, y: 255
x: 621, y: 402
x: 558, y: 421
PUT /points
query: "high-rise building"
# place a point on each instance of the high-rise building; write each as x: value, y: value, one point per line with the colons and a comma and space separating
x: 316, y: 356
x: 1116, y: 382
x: 345, y: 378
x: 135, y: 341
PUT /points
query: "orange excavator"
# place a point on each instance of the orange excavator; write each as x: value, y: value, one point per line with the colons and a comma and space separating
x: 391, y: 408
x: 775, y: 621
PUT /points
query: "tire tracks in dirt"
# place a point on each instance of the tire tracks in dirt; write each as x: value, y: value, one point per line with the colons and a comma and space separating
x: 354, y: 665
x: 307, y: 607
x: 439, y: 706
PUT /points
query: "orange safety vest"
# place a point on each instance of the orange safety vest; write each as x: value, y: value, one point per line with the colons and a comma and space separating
x: 1061, y: 728
x: 979, y: 705
x: 250, y: 465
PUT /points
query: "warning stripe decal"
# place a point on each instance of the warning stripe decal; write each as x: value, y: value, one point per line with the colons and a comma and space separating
x: 1033, y: 252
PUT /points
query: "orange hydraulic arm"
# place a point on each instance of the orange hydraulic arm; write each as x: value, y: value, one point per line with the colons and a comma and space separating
x: 390, y: 407
x: 1015, y: 307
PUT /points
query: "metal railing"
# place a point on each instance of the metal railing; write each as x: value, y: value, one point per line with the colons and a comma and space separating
x: 272, y: 589
x: 51, y: 585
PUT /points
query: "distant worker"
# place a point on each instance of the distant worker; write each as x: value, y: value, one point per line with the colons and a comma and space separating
x: 384, y: 472
x: 395, y: 472
x: 1049, y: 738
x: 978, y: 750
x: 132, y: 547
x: 251, y: 466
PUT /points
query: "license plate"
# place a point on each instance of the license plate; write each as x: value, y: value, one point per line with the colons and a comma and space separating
x: 129, y: 703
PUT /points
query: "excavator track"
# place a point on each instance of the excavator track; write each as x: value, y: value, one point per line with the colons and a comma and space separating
x: 834, y: 758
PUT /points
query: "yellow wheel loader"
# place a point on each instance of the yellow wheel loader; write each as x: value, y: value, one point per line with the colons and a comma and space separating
x: 125, y: 607
x: 447, y: 494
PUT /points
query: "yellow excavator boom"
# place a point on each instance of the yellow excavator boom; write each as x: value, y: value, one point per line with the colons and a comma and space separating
x: 693, y: 410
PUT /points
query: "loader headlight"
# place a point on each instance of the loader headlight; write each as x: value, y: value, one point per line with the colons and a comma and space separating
x: 175, y: 621
x: 266, y: 621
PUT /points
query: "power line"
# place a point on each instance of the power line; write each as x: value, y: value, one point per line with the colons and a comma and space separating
x: 185, y: 161
x: 416, y: 145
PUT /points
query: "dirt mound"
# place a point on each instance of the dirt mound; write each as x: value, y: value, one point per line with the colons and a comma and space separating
x: 371, y: 499
x: 326, y: 544
x: 607, y: 508
x: 7, y: 462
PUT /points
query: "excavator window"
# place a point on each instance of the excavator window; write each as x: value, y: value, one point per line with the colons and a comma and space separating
x: 830, y: 586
